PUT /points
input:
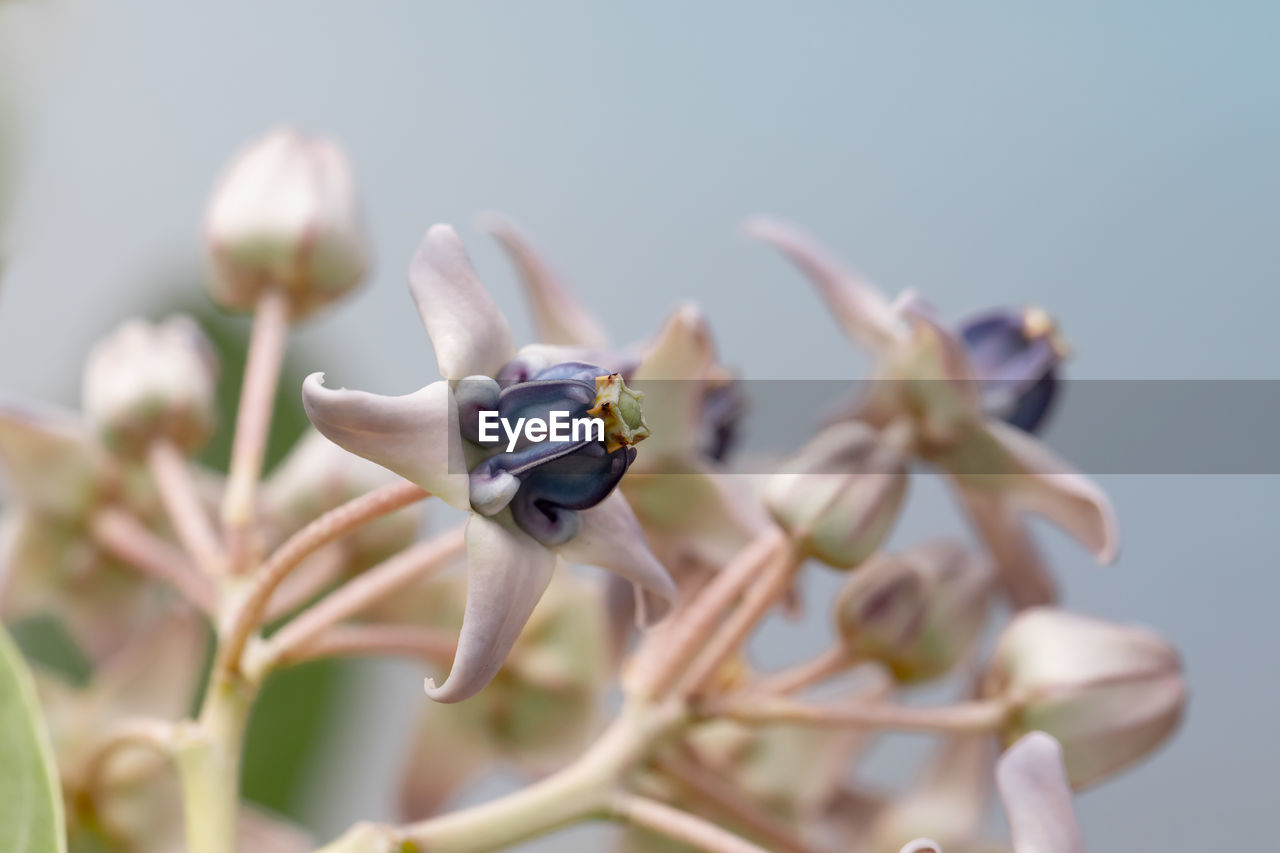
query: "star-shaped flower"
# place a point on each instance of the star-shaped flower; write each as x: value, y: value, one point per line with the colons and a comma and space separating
x: 528, y: 506
x: 695, y: 517
x: 925, y: 376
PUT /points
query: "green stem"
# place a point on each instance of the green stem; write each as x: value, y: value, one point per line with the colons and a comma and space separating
x: 208, y: 757
x: 582, y: 790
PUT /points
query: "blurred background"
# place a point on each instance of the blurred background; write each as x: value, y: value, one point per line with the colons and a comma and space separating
x: 1113, y: 162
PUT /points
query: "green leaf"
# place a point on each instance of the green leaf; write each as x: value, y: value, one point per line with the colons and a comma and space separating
x: 30, y: 796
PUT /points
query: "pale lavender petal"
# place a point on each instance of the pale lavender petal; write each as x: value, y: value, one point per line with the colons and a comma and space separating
x: 921, y: 845
x: 415, y: 435
x: 468, y: 331
x: 1037, y: 798
x: 611, y: 538
x: 507, y: 573
x: 857, y: 304
x: 672, y: 376
x: 560, y: 317
x: 1046, y: 485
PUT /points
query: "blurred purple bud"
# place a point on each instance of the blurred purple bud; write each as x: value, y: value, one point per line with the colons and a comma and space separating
x: 917, y: 611
x: 1015, y: 353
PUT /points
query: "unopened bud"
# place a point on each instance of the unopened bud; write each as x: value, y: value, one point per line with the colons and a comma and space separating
x: 1109, y: 693
x: 149, y: 381
x: 285, y: 215
x: 840, y: 495
x: 917, y: 611
x: 1015, y: 353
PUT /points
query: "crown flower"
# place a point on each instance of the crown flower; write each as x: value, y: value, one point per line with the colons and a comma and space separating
x: 530, y: 504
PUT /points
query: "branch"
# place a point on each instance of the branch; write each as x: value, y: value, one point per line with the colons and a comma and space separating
x: 731, y: 802
x: 660, y: 662
x: 833, y: 661
x: 764, y: 592
x: 679, y: 825
x: 126, y: 538
x: 360, y: 593
x: 182, y: 504
x: 305, y: 582
x: 325, y: 529
x: 975, y: 717
x: 412, y: 641
x: 253, y: 421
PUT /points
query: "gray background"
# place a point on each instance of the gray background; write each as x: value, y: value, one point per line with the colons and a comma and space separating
x: 1115, y: 162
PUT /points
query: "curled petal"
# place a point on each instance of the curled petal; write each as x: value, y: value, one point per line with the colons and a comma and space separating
x: 611, y: 538
x: 47, y: 459
x: 672, y: 376
x: 922, y: 845
x: 415, y: 435
x: 1037, y: 798
x: 467, y: 329
x: 558, y: 314
x: 507, y: 573
x: 1033, y: 478
x: 861, y: 308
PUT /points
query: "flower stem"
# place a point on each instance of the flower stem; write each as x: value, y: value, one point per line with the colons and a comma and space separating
x: 126, y: 538
x: 972, y: 717
x: 360, y: 593
x: 583, y: 789
x: 833, y: 661
x: 766, y: 590
x: 679, y: 825
x: 207, y: 753
x: 332, y: 525
x: 661, y: 661
x: 181, y: 501
x: 253, y: 423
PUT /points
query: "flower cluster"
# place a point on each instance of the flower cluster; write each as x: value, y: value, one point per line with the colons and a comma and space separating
x: 115, y: 534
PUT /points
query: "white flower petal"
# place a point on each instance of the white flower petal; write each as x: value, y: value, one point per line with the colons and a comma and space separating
x: 559, y: 315
x: 507, y: 573
x: 611, y: 538
x: 468, y: 331
x: 1037, y: 798
x: 415, y: 435
x: 1048, y: 486
x: 857, y: 304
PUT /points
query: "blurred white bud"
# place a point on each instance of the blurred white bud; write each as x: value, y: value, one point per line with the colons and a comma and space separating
x: 840, y: 495
x: 147, y: 381
x: 286, y: 214
x: 1109, y: 693
x: 917, y: 611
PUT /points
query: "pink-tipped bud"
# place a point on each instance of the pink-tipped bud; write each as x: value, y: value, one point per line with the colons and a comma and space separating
x: 917, y: 611
x: 285, y: 214
x: 1109, y: 693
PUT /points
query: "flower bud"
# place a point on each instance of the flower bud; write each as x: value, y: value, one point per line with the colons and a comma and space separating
x: 840, y: 495
x: 917, y: 611
x: 285, y: 214
x: 151, y: 381
x: 1109, y: 693
x: 1015, y: 355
